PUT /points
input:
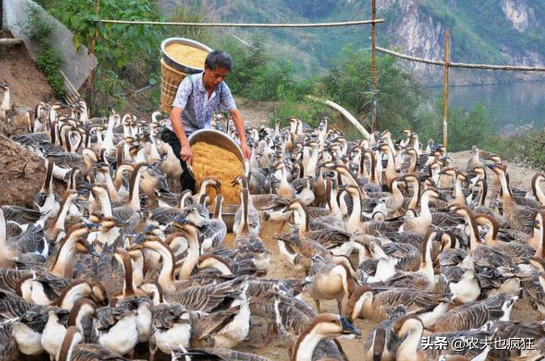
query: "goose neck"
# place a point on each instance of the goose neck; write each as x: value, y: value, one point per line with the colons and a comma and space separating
x: 64, y: 261
x: 3, y: 230
x: 411, y: 344
x: 193, y: 255
x: 61, y: 217
x: 307, y: 342
x: 538, y: 191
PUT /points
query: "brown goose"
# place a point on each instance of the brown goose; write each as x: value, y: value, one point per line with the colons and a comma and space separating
x: 330, y: 278
x: 73, y: 349
x: 337, y: 241
x: 429, y: 306
x: 518, y: 217
x: 475, y: 314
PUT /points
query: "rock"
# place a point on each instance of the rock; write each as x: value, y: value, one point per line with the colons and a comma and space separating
x: 22, y: 173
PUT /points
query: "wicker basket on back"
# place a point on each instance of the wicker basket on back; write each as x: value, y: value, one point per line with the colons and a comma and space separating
x: 170, y: 80
x: 173, y: 71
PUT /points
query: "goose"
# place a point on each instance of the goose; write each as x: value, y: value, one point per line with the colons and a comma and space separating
x: 130, y: 212
x: 483, y: 255
x: 247, y: 220
x: 27, y: 331
x: 338, y: 241
x: 54, y: 331
x: 429, y: 306
x: 5, y: 105
x: 173, y: 328
x: 381, y: 343
x: 73, y: 349
x: 321, y: 327
x: 518, y: 217
x: 519, y: 253
x: 424, y: 278
x: 32, y: 242
x: 215, y: 230
x: 475, y: 314
x: 116, y: 329
x: 330, y: 279
x: 410, y: 328
x: 537, y: 179
x: 46, y: 200
x: 508, y: 330
x: 421, y: 223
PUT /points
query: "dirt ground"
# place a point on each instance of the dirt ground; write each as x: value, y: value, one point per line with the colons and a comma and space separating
x: 18, y: 70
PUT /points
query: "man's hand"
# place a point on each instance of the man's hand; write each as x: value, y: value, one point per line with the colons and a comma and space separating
x: 246, y: 151
x: 186, y: 153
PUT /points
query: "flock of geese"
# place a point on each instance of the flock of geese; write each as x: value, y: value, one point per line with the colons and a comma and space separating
x: 121, y: 266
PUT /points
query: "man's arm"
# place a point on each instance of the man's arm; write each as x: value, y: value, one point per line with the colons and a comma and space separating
x: 239, y: 125
x: 178, y: 127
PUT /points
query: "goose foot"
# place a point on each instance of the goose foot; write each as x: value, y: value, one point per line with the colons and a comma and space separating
x: 539, y: 317
x: 340, y: 306
x: 318, y: 306
x: 266, y: 339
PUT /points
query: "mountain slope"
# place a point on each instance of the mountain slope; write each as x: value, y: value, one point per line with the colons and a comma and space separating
x: 485, y: 31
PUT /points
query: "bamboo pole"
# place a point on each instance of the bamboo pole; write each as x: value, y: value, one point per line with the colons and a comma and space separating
x: 10, y: 41
x: 245, y: 25
x: 374, y: 65
x: 460, y: 65
x: 445, y: 95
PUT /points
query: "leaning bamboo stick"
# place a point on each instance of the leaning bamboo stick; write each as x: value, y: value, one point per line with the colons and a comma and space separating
x: 344, y: 112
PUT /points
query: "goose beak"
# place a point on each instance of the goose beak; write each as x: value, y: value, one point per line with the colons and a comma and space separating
x: 89, y: 224
x: 349, y: 328
x: 492, y: 166
x: 179, y: 222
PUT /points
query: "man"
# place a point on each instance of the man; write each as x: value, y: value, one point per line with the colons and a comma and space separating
x: 197, y: 98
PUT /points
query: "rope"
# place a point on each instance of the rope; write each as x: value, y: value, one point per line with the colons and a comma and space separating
x: 460, y: 65
x: 233, y: 25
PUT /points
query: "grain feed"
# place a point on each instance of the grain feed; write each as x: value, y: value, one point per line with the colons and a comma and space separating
x: 212, y: 161
x: 187, y: 55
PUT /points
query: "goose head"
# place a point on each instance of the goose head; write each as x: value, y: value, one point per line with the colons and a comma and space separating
x: 407, y: 324
x: 330, y: 325
x: 357, y: 300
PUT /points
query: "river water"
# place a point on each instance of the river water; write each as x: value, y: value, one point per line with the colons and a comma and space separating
x: 510, y: 105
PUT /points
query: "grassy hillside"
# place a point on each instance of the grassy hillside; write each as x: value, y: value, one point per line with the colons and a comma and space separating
x: 480, y: 30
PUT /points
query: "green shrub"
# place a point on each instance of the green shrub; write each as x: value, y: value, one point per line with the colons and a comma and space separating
x: 36, y: 27
x: 48, y: 61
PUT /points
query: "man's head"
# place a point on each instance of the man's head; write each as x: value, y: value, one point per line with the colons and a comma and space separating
x: 216, y: 67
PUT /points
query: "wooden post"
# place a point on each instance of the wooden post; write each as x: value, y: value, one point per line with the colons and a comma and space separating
x: 374, y: 65
x: 89, y: 93
x: 1, y: 15
x: 445, y: 95
x: 94, y: 40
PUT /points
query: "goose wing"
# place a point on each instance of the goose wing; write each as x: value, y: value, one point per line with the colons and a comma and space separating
x: 8, y: 346
x: 20, y: 215
x: 207, y: 298
x: 329, y: 238
x: 264, y: 202
x: 89, y: 351
x: 12, y: 306
x: 165, y: 215
x: 213, y: 231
